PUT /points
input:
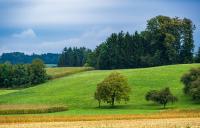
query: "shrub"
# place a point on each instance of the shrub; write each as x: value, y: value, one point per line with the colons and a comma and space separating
x: 162, y: 97
x: 191, y: 81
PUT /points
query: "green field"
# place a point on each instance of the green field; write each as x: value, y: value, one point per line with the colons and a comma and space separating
x: 77, y: 90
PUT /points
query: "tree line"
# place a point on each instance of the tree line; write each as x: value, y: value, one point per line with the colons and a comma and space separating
x: 73, y: 57
x: 22, y: 75
x: 21, y: 58
x: 164, y: 41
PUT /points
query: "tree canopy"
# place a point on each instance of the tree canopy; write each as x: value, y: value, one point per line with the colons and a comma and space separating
x: 73, y: 56
x: 165, y: 41
x: 162, y: 97
x: 191, y: 81
x: 112, y: 88
x: 22, y: 75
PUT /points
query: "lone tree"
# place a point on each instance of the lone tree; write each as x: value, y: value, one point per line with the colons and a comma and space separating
x: 162, y: 97
x: 191, y: 83
x: 112, y: 88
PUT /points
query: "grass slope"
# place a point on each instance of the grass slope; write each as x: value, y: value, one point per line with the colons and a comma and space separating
x: 76, y: 91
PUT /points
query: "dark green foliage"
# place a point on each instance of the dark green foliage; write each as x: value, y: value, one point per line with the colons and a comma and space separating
x: 73, y: 57
x: 197, y: 56
x: 162, y: 97
x: 22, y: 74
x: 113, y: 88
x: 191, y: 83
x: 21, y: 58
x: 165, y: 41
x: 37, y: 72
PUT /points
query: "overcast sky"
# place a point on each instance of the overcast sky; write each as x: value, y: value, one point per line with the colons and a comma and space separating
x: 41, y: 26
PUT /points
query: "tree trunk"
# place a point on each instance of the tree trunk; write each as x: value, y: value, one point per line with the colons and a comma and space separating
x: 164, y: 105
x: 113, y: 101
x: 99, y: 104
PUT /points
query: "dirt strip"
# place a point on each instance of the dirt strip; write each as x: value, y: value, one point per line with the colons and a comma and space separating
x: 137, y: 123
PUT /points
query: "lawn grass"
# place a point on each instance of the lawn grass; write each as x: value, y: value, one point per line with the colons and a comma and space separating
x: 58, y: 72
x: 76, y: 91
x: 6, y: 91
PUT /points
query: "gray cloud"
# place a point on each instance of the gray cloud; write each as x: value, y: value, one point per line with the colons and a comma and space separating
x: 49, y: 25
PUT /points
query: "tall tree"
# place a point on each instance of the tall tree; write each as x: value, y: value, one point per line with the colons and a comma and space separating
x: 187, y: 47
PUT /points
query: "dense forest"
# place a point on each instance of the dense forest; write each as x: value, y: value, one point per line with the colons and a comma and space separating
x: 73, y: 57
x: 164, y: 41
x: 21, y: 58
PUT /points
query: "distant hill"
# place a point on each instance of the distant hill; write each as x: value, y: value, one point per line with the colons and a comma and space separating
x: 21, y: 58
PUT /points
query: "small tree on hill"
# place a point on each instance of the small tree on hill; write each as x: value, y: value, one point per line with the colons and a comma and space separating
x: 162, y: 97
x: 191, y: 83
x: 113, y: 88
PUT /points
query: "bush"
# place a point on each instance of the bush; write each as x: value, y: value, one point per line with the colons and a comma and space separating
x: 162, y: 97
x: 22, y: 75
x: 113, y: 88
x: 191, y: 81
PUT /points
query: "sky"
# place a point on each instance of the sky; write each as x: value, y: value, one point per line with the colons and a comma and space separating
x: 42, y: 26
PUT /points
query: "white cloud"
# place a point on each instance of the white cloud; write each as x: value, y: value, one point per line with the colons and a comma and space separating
x: 90, y: 39
x: 29, y: 33
x: 63, y: 12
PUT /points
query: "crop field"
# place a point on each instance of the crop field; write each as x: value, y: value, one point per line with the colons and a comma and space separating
x: 28, y: 118
x: 30, y: 109
x: 138, y: 123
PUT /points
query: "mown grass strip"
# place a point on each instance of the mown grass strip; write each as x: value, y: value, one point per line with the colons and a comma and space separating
x: 30, y: 109
x: 65, y: 71
x: 162, y: 115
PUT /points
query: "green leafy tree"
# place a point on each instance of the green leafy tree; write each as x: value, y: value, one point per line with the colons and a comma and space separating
x: 197, y: 56
x: 191, y: 81
x: 112, y: 88
x: 38, y: 72
x: 162, y: 97
x: 186, y: 52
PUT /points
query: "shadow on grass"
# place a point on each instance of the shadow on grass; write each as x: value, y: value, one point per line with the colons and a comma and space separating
x: 135, y: 107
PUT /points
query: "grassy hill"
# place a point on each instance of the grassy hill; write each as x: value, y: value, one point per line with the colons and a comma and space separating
x: 77, y: 90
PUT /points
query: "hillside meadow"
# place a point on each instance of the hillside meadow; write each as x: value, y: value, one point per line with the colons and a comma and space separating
x: 76, y: 91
